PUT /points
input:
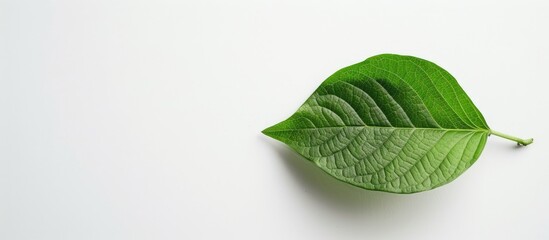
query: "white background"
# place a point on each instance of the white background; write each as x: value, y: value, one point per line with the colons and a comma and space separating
x: 142, y: 119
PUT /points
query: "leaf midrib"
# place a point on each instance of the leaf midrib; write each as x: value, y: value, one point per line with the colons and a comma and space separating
x: 397, y: 128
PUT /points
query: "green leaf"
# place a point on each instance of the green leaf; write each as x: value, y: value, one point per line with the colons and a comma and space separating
x: 390, y: 123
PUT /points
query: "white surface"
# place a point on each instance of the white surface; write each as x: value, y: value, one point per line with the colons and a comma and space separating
x: 142, y: 119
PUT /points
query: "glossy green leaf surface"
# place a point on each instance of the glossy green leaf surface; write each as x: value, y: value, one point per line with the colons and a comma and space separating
x: 390, y: 123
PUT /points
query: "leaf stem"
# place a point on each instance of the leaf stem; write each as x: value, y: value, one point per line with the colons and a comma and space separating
x: 519, y: 141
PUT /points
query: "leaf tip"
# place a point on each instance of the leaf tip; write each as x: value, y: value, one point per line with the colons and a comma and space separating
x: 268, y: 131
x: 275, y: 131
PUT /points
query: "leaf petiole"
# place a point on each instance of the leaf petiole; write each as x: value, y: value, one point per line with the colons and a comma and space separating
x: 519, y: 141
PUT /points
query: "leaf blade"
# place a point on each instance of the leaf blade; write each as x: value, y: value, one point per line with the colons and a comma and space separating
x: 374, y: 125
